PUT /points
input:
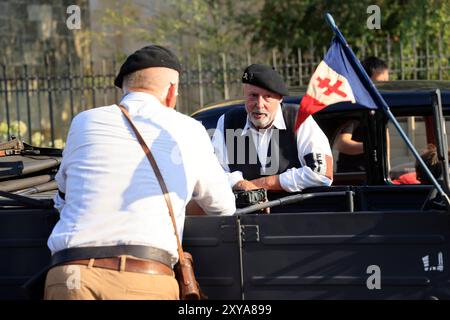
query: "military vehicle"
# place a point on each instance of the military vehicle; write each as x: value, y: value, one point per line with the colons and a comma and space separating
x: 365, y: 237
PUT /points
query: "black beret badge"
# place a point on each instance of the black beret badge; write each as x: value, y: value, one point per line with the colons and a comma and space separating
x: 265, y: 77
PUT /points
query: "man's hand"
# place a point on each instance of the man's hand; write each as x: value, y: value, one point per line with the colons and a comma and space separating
x: 269, y: 183
x: 245, y: 185
x: 266, y: 210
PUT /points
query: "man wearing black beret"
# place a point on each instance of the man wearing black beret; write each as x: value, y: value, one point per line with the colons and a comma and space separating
x: 259, y: 148
x: 115, y: 239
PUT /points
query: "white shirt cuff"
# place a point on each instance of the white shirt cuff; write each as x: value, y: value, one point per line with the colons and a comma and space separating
x: 287, y: 181
x: 234, y: 177
x: 297, y: 179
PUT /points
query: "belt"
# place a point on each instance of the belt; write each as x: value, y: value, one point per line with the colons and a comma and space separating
x: 131, y: 265
x: 86, y: 253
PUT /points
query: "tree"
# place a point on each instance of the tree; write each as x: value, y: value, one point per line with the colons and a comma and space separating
x: 297, y: 23
x: 202, y: 26
x: 117, y: 24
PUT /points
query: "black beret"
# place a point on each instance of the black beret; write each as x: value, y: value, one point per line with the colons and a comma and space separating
x: 148, y: 57
x: 265, y: 77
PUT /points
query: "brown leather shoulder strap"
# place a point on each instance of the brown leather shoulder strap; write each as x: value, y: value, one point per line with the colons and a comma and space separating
x: 155, y: 167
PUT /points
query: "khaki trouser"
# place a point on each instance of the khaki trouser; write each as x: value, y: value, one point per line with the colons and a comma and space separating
x: 78, y: 282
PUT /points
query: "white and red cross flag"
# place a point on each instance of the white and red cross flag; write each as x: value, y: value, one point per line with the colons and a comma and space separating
x: 335, y: 80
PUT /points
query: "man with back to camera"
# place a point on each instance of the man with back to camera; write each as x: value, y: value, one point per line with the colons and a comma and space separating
x: 258, y: 148
x: 349, y: 142
x: 110, y: 199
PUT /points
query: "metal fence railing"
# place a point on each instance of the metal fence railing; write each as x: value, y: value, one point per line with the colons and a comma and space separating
x: 38, y: 102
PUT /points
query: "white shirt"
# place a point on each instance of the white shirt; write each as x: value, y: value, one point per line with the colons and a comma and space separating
x: 112, y: 195
x: 310, y: 140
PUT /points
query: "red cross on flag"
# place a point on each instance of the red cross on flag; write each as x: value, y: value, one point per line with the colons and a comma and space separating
x: 335, y: 80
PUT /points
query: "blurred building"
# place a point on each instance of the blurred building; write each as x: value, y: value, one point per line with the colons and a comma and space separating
x: 31, y: 29
x: 35, y: 28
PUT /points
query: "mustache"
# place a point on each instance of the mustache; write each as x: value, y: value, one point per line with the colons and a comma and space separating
x: 260, y: 112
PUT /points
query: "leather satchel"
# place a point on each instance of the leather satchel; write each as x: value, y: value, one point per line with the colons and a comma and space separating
x: 184, y: 269
x: 184, y: 273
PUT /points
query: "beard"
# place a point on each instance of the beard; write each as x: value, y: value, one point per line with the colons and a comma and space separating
x: 260, y: 119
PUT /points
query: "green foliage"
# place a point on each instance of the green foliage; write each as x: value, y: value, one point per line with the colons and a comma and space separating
x: 120, y: 20
x: 212, y: 26
x: 200, y: 26
x: 298, y: 23
x: 255, y: 27
x: 17, y: 128
x: 187, y: 26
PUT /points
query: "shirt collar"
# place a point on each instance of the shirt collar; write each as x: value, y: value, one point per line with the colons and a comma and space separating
x: 277, y: 123
x: 139, y: 99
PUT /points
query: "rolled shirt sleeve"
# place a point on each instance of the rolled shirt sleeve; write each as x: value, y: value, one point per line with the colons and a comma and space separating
x: 212, y: 191
x: 314, y: 154
x: 220, y: 150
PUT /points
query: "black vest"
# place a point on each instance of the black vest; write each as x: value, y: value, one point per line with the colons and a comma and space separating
x: 285, y: 157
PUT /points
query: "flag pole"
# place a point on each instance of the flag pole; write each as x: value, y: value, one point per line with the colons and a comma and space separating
x: 376, y: 96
